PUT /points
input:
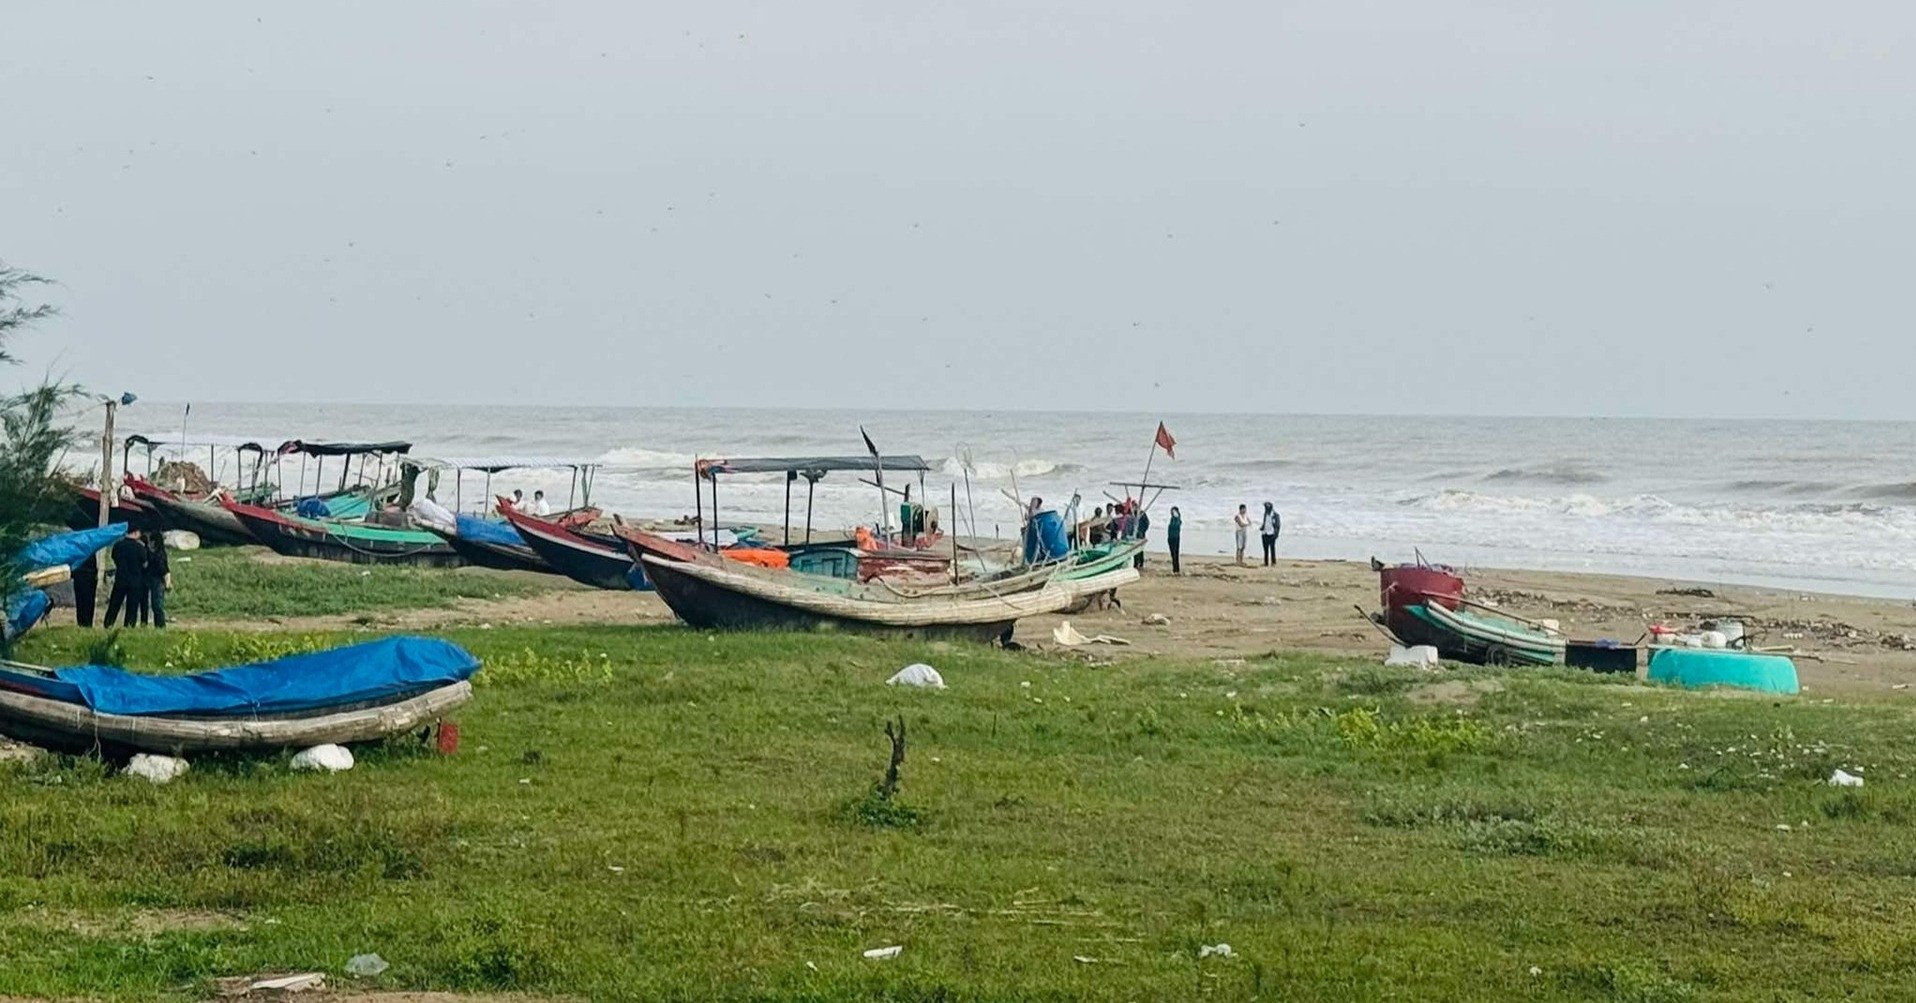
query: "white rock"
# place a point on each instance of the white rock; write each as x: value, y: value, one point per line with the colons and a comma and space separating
x: 1420, y: 655
x: 329, y: 758
x: 1845, y: 779
x: 1220, y: 950
x: 158, y: 769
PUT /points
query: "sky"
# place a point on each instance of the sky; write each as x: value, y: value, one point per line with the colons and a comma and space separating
x: 1381, y: 206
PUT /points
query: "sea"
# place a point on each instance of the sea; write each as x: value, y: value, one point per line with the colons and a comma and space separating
x: 1823, y: 506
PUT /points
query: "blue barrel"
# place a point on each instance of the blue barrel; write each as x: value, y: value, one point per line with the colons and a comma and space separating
x: 1047, y: 539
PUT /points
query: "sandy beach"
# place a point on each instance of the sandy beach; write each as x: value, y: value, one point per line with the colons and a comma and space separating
x: 1844, y: 645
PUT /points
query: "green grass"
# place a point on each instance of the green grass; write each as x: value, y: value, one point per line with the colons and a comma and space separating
x: 652, y: 813
x: 233, y: 583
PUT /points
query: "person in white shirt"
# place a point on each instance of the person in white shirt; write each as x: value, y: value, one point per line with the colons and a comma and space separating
x: 518, y: 501
x: 1242, y: 520
x: 539, y: 506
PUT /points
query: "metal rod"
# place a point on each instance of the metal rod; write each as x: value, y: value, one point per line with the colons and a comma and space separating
x: 790, y: 476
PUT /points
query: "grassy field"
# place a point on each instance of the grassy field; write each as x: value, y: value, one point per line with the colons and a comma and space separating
x: 235, y: 583
x: 658, y: 814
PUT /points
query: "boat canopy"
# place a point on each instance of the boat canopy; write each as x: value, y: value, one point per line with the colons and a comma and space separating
x: 342, y: 448
x: 811, y: 464
x: 495, y: 464
x: 243, y: 443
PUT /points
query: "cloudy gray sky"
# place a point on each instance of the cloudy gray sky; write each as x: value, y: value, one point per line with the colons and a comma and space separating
x: 1594, y: 208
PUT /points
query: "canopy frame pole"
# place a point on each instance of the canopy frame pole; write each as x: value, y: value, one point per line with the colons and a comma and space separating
x: 715, y: 516
x: 790, y: 476
x: 698, y: 502
x: 811, y: 485
x: 488, y: 483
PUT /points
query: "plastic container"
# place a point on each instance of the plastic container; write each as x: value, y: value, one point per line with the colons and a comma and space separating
x: 1048, y: 541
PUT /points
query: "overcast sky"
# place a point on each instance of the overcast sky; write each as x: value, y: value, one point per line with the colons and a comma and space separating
x: 1596, y: 208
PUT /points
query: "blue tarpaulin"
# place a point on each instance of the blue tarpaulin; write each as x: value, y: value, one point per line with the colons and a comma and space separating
x: 69, y: 548
x: 495, y: 531
x: 312, y: 508
x: 27, y: 609
x: 359, y: 673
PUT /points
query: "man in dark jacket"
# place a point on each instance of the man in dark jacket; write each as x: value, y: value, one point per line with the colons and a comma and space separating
x: 159, y: 578
x: 129, y: 579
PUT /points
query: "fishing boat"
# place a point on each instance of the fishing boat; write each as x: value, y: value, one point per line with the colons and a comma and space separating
x: 363, y: 692
x: 355, y: 542
x: 197, y: 508
x: 494, y: 542
x: 587, y: 558
x: 1424, y: 603
x: 739, y: 597
x: 85, y: 513
x: 1484, y: 636
x: 914, y: 549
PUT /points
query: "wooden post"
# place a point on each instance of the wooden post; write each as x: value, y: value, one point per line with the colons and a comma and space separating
x: 107, y: 491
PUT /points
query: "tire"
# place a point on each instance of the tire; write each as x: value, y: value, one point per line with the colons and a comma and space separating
x: 1497, y: 654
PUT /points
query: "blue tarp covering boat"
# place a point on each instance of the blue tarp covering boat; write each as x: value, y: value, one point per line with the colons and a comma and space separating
x: 495, y: 531
x: 25, y: 610
x: 69, y: 548
x: 356, y: 674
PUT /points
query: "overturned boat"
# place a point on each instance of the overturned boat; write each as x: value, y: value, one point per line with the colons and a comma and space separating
x: 358, y: 693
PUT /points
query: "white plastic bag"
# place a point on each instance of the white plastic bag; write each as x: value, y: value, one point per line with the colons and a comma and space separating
x: 330, y: 758
x: 1843, y: 778
x: 885, y: 953
x: 917, y: 674
x: 158, y: 769
x: 1419, y: 655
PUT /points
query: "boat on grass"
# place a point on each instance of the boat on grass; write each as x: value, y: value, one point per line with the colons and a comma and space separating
x: 359, y: 693
x: 587, y: 558
x: 740, y: 597
x: 336, y: 540
x: 1483, y: 636
x: 493, y: 542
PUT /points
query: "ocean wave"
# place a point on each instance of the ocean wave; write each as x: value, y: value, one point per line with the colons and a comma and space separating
x: 1888, y: 491
x: 1899, y: 492
x: 986, y: 470
x: 647, y: 459
x: 1526, y: 512
x: 1552, y: 473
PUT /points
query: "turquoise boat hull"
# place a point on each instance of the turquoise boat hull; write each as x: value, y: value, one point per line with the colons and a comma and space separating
x: 1697, y: 667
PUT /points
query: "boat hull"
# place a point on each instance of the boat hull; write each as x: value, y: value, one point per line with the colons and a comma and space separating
x: 68, y: 727
x: 581, y: 558
x: 1466, y: 638
x: 206, y: 519
x: 709, y: 606
x: 296, y: 537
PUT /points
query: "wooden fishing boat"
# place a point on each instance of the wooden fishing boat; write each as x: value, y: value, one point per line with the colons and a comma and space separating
x: 485, y: 547
x: 587, y: 558
x: 336, y: 540
x: 362, y: 692
x: 1470, y: 635
x: 737, y: 597
x: 85, y: 513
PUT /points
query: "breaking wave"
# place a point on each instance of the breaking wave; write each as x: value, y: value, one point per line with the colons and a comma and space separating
x: 986, y: 470
x: 648, y: 459
x: 1554, y: 473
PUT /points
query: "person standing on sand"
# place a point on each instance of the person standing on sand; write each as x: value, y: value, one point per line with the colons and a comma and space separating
x: 1242, y: 520
x: 1269, y: 529
x: 1173, y: 536
x: 129, y: 579
x: 1142, y: 526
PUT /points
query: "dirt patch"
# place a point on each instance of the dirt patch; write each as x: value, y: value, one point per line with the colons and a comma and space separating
x: 14, y: 752
x: 143, y: 923
x: 1455, y: 692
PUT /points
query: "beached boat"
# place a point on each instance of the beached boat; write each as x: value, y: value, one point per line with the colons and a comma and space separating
x: 1483, y: 636
x: 738, y: 597
x: 489, y: 542
x: 587, y: 558
x: 358, y: 693
x: 336, y: 540
x: 85, y: 513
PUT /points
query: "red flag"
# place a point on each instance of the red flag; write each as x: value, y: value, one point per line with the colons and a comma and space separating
x: 1164, y: 439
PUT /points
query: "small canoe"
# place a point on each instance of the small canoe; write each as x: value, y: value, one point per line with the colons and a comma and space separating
x: 358, y: 693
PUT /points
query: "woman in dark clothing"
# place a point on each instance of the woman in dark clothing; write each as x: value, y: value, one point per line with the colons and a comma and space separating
x: 129, y: 580
x: 159, y: 578
x: 1173, y: 535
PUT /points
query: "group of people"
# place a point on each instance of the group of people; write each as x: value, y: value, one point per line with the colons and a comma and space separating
x: 539, y: 506
x: 1268, y: 527
x: 141, y: 577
